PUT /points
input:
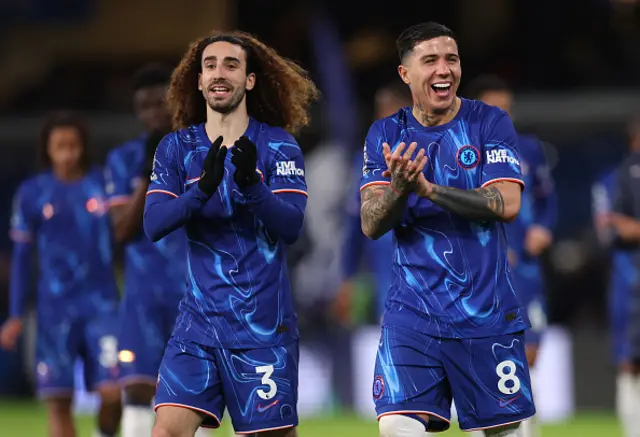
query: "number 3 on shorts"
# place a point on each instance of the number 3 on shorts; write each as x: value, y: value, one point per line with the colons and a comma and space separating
x: 267, y: 371
x: 506, y: 370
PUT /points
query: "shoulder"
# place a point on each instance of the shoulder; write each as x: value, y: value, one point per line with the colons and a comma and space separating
x: 276, y: 141
x: 392, y: 125
x: 178, y: 143
x: 477, y: 112
x: 33, y: 184
x: 274, y: 135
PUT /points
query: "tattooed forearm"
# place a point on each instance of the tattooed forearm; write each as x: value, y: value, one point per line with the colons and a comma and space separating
x: 482, y: 204
x: 381, y: 210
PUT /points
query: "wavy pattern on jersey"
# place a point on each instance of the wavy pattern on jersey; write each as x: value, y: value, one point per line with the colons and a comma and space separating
x: 452, y: 277
x: 154, y: 270
x: 239, y: 294
x: 72, y: 231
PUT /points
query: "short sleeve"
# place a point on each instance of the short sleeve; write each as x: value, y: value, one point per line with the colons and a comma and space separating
x: 165, y: 177
x: 23, y: 218
x: 501, y: 159
x: 286, y: 170
x: 373, y: 160
x: 118, y: 180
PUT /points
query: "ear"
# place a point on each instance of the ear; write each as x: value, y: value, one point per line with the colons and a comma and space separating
x: 200, y: 81
x: 404, y: 74
x: 250, y: 82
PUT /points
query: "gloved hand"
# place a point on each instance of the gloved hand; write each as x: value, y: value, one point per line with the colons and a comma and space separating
x: 150, y: 146
x: 213, y: 168
x: 245, y: 158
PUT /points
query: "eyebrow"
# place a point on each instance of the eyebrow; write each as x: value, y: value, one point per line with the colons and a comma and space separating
x: 226, y: 59
x: 434, y: 55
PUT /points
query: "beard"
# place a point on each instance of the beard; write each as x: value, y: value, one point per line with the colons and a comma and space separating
x: 226, y: 107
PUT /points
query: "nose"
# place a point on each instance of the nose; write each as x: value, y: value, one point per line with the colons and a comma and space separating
x: 442, y: 69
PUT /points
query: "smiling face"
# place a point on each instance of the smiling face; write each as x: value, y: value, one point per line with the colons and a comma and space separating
x: 224, y: 80
x: 432, y: 71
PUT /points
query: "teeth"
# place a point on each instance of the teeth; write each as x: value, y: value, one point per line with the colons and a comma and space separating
x: 441, y: 85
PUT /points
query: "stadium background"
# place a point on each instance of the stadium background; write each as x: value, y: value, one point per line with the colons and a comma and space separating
x: 574, y: 65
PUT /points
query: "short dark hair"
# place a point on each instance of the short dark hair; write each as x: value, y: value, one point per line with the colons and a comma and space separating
x: 64, y: 119
x: 151, y: 75
x: 484, y: 84
x: 414, y: 35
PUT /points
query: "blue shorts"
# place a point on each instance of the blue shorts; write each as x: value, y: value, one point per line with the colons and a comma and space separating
x: 59, y: 344
x: 259, y: 387
x: 529, y: 284
x: 624, y: 277
x: 145, y: 328
x: 488, y: 377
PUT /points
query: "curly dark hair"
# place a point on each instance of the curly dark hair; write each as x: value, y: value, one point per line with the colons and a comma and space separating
x: 281, y: 96
x: 59, y: 119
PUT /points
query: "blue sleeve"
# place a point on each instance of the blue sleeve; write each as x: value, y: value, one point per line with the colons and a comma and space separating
x: 22, y: 232
x: 373, y: 160
x: 501, y: 159
x: 167, y: 208
x: 117, y: 178
x: 20, y: 278
x: 545, y: 205
x: 280, y: 202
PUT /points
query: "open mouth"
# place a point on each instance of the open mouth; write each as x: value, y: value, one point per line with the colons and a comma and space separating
x: 220, y: 91
x: 442, y: 89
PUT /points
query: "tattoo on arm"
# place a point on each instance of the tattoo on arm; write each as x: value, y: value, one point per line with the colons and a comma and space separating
x: 482, y: 204
x: 381, y: 210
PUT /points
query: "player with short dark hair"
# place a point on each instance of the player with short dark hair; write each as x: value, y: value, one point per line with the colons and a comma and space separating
x: 531, y: 233
x: 235, y: 343
x: 61, y: 213
x: 453, y: 325
x: 387, y: 101
x: 154, y: 273
x: 617, y: 205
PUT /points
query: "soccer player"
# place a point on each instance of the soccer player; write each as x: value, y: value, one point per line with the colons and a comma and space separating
x: 617, y: 209
x: 453, y: 325
x: 388, y: 100
x: 531, y: 232
x: 233, y: 178
x: 155, y: 273
x: 62, y: 214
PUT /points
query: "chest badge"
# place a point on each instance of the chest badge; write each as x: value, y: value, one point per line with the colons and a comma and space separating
x: 468, y: 157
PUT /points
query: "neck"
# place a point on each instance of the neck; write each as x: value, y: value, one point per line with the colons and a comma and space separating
x: 428, y: 117
x: 68, y: 175
x: 231, y: 126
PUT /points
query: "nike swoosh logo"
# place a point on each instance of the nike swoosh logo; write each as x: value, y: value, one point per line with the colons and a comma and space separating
x: 262, y: 409
x: 503, y: 403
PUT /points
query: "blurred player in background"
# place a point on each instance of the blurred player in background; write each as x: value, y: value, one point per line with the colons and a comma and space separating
x: 235, y: 343
x: 617, y: 214
x: 155, y: 273
x: 453, y: 325
x: 62, y: 214
x: 532, y: 231
x: 388, y: 100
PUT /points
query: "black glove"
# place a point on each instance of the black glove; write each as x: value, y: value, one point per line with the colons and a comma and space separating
x: 245, y: 158
x: 213, y: 168
x: 150, y: 146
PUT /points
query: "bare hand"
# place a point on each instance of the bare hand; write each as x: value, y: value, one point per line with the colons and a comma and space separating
x: 537, y: 239
x: 341, y: 307
x: 403, y: 171
x: 423, y: 187
x: 9, y: 333
x: 626, y: 227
